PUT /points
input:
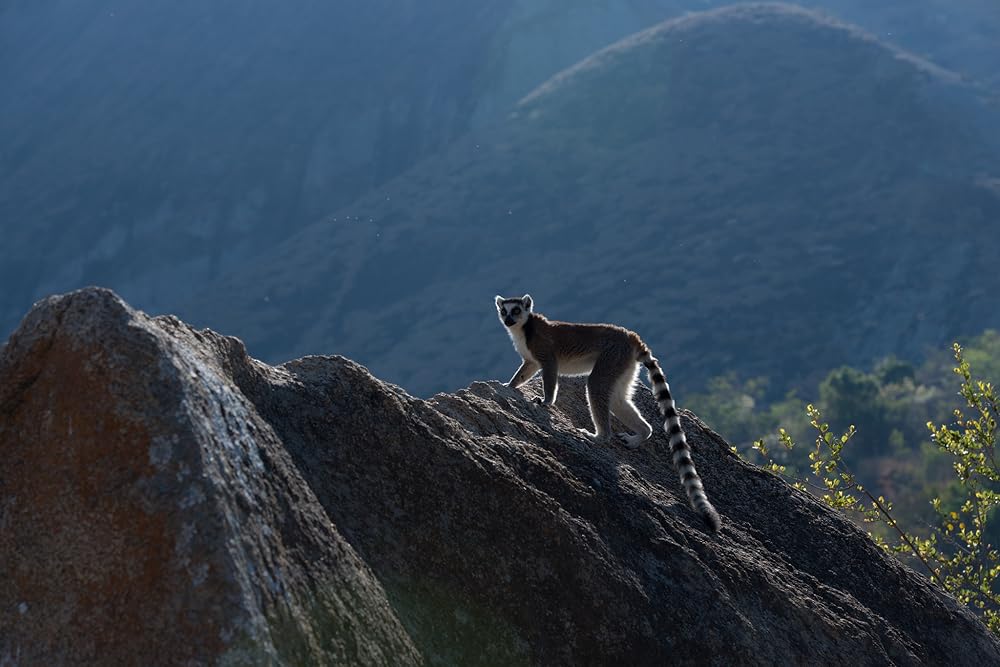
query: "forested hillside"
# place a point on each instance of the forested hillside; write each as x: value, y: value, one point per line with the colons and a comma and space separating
x: 162, y: 148
x: 743, y: 209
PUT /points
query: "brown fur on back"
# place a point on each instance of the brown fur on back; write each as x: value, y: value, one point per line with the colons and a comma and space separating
x: 546, y: 338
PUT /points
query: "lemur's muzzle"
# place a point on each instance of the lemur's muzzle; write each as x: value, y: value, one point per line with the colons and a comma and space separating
x: 509, y: 321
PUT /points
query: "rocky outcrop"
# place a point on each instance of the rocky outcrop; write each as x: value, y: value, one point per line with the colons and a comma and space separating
x: 150, y: 516
x: 165, y: 498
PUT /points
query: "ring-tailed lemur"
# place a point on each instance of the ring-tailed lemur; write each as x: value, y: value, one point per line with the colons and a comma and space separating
x: 610, y: 355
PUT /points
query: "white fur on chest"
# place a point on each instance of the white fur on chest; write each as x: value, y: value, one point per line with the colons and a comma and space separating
x: 521, y: 344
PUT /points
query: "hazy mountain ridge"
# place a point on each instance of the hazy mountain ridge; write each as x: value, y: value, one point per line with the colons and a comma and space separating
x: 673, y: 183
x: 155, y: 148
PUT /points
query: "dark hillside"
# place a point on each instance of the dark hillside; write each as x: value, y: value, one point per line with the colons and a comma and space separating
x: 156, y: 146
x: 757, y: 188
x: 153, y: 146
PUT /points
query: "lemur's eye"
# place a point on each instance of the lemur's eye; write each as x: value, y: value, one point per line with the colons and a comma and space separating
x: 503, y: 311
x: 516, y: 311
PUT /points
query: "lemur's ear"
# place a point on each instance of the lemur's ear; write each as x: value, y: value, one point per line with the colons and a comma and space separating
x: 499, y: 300
x: 526, y: 300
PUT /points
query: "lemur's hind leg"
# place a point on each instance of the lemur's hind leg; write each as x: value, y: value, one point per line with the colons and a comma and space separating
x: 641, y: 430
x: 601, y: 385
x: 626, y: 412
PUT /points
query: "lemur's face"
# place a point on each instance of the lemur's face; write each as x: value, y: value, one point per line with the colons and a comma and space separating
x: 513, y: 312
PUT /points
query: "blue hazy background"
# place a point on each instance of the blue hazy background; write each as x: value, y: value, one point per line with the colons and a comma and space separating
x: 759, y: 190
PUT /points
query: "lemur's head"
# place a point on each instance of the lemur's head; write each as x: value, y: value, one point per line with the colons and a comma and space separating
x: 514, y: 312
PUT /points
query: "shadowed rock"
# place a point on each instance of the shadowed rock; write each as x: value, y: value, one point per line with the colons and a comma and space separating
x: 165, y: 498
x: 150, y: 516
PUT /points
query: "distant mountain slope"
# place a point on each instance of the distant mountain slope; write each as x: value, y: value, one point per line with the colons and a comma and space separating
x: 151, y: 145
x: 757, y: 189
x: 154, y: 146
x: 961, y: 36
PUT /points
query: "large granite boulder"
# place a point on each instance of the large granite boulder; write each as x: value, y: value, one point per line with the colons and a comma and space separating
x: 164, y: 498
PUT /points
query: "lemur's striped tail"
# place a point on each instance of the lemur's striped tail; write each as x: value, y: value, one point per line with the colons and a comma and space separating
x: 679, y: 449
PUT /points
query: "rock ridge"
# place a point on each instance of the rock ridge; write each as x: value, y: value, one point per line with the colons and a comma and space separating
x: 166, y: 498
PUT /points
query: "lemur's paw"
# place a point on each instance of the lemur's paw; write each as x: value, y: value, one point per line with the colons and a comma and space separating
x: 594, y: 437
x: 632, y: 441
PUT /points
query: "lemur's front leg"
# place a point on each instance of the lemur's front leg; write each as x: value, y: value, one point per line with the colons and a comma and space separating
x: 523, y: 374
x: 550, y: 382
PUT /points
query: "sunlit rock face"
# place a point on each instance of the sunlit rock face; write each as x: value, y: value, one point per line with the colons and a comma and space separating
x: 167, y: 499
x: 150, y: 516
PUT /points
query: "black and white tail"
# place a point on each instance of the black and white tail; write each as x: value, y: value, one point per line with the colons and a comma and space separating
x: 679, y: 449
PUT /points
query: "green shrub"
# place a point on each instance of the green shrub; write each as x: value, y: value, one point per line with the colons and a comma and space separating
x: 956, y: 550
